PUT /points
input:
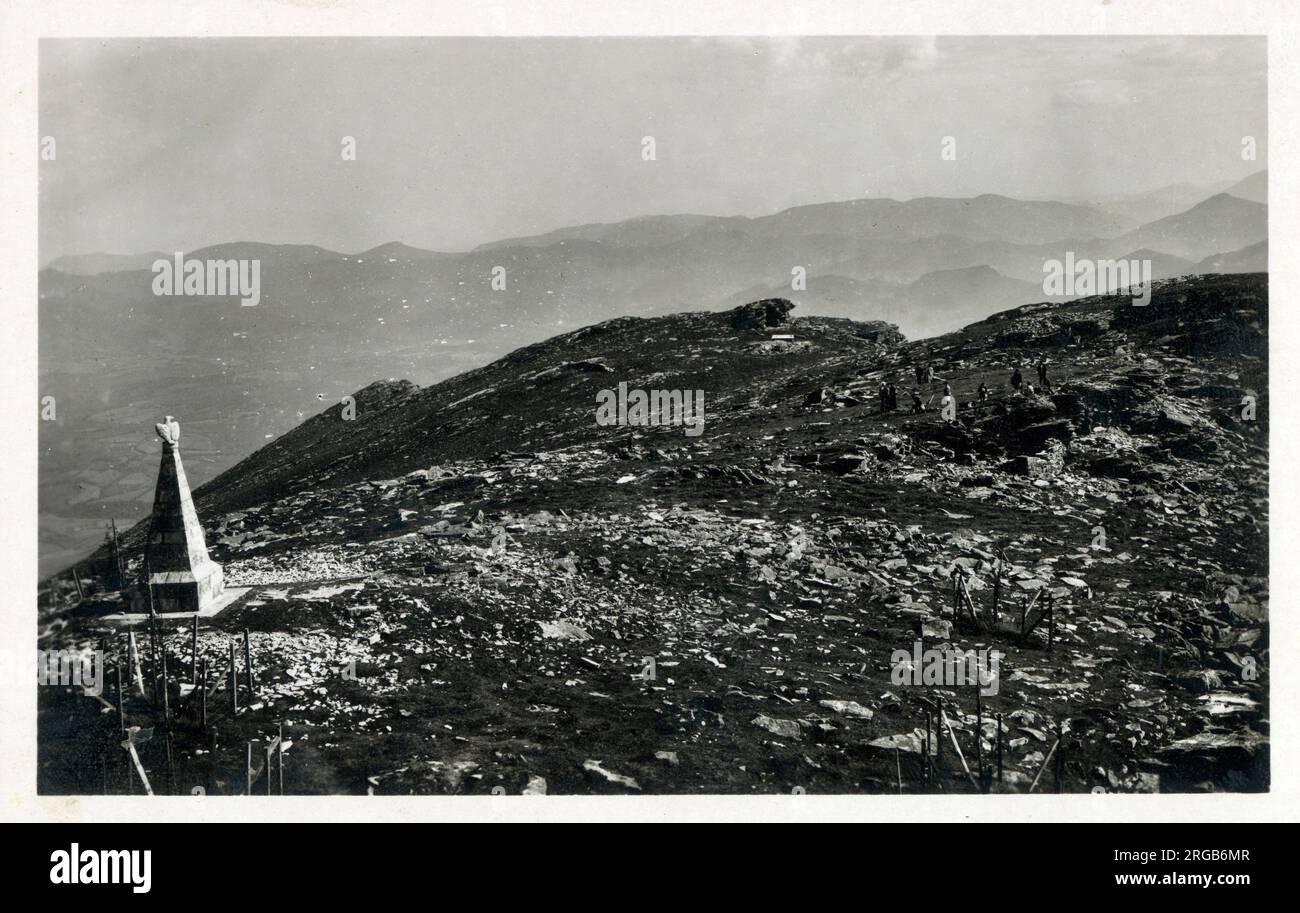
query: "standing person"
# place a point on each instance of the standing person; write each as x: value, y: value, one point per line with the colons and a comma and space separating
x: 984, y: 393
x: 1016, y: 379
x: 917, y: 406
x: 1042, y: 375
x: 884, y: 397
x: 947, y: 389
x: 893, y: 398
x: 948, y: 408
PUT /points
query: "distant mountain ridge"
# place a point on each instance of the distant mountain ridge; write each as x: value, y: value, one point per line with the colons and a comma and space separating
x: 1221, y: 223
x: 997, y: 227
x: 94, y: 264
x: 638, y: 231
x: 1253, y: 259
x: 1253, y: 188
x: 114, y: 354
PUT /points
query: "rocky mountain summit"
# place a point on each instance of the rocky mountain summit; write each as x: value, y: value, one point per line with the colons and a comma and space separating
x: 474, y: 586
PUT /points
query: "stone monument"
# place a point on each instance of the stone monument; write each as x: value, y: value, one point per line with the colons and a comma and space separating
x: 181, y: 575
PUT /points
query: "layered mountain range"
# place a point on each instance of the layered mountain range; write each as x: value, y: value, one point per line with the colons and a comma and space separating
x: 115, y: 357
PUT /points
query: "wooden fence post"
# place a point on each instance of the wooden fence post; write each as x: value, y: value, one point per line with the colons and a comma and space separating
x: 166, y: 698
x: 133, y: 660
x: 999, y: 748
x: 997, y: 592
x: 248, y: 666
x: 938, y: 736
x: 153, y: 661
x: 926, y: 769
x: 171, y: 769
x: 121, y: 704
x: 234, y: 681
x: 1059, y: 770
x: 1051, y: 621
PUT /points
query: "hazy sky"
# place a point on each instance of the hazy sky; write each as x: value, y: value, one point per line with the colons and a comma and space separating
x: 178, y: 143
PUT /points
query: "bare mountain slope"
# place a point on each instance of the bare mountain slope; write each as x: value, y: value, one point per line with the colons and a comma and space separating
x: 525, y: 599
x: 537, y: 398
x: 500, y: 572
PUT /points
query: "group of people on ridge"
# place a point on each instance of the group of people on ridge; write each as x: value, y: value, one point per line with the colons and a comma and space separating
x: 1017, y: 379
x: 925, y: 375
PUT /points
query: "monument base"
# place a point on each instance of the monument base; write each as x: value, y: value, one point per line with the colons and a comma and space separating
x: 187, y: 591
x: 129, y: 619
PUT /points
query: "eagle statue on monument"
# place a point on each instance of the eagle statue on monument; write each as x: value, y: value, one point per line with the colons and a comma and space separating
x: 169, y: 431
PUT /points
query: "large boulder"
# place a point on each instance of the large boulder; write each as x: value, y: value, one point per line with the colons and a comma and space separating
x: 1025, y: 425
x: 955, y: 436
x: 761, y: 315
x: 878, y: 331
x: 1163, y: 416
x: 1032, y: 467
x: 1033, y: 438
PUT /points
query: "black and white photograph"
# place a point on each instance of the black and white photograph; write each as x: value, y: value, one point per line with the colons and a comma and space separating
x: 481, y: 416
x: 672, y: 415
